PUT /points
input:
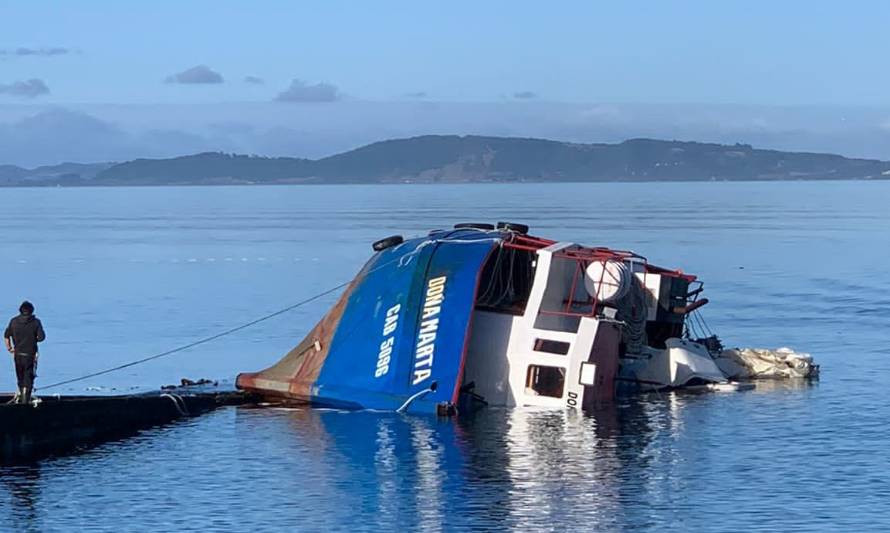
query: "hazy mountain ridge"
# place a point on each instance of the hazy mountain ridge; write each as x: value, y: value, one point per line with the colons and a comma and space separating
x: 207, y: 167
x: 52, y: 174
x: 452, y: 158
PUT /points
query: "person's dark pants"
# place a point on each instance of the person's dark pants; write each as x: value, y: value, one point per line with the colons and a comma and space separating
x: 24, y: 373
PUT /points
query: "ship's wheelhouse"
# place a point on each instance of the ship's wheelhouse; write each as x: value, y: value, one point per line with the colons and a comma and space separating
x: 552, y: 319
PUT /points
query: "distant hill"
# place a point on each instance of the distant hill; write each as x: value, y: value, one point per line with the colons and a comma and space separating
x: 65, y: 173
x: 455, y: 159
x: 207, y: 168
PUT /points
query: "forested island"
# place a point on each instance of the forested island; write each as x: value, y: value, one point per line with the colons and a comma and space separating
x: 467, y: 159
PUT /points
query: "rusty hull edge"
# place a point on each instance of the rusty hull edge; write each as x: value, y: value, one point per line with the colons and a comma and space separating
x: 291, y: 379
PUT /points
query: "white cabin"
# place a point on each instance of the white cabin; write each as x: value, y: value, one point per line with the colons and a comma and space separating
x: 554, y: 321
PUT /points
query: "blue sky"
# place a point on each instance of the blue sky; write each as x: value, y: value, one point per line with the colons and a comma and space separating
x: 785, y: 53
x: 102, y: 80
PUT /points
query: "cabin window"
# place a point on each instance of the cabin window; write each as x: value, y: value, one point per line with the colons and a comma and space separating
x: 551, y: 346
x: 545, y: 381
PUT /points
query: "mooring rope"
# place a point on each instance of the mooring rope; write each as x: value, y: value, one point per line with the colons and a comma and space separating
x: 200, y: 341
x: 246, y: 325
x: 179, y: 402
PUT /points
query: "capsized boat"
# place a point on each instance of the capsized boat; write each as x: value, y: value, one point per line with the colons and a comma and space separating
x: 490, y: 315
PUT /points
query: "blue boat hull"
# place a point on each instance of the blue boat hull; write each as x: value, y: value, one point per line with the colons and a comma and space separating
x: 398, y: 333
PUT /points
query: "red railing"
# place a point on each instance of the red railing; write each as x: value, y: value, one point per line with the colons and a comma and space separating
x: 598, y: 253
x: 583, y: 257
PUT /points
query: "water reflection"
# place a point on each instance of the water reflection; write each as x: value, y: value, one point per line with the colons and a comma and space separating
x: 22, y: 485
x: 785, y: 385
x: 641, y: 462
x: 521, y: 468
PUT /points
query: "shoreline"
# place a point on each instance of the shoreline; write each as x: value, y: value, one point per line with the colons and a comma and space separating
x: 432, y: 183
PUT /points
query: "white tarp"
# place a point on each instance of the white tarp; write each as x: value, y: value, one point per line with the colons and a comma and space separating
x: 752, y: 363
x: 679, y: 364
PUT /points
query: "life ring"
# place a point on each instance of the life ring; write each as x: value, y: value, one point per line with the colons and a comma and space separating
x: 388, y: 242
x: 474, y: 225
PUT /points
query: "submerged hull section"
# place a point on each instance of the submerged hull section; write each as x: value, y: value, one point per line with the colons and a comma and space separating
x: 398, y: 330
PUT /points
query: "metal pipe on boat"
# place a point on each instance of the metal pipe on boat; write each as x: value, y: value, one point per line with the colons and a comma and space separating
x: 685, y: 310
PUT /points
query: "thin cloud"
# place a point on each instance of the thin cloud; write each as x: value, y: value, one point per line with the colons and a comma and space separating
x: 300, y: 91
x: 418, y: 94
x: 200, y: 74
x: 525, y: 95
x: 254, y: 80
x: 25, y: 89
x: 42, y: 52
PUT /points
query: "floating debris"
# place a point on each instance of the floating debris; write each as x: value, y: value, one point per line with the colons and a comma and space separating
x: 759, y: 363
x: 185, y: 382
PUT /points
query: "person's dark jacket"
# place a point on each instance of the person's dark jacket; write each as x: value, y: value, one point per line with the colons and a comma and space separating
x: 25, y: 331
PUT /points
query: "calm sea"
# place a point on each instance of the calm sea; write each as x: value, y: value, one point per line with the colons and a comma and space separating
x: 118, y: 274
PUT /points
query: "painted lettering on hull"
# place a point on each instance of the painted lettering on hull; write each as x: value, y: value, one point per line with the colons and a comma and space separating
x: 384, y: 355
x: 429, y: 328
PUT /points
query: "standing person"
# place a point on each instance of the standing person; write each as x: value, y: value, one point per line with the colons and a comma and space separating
x: 22, y: 335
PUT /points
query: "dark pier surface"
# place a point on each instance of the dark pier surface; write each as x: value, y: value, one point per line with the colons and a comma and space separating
x: 67, y: 424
